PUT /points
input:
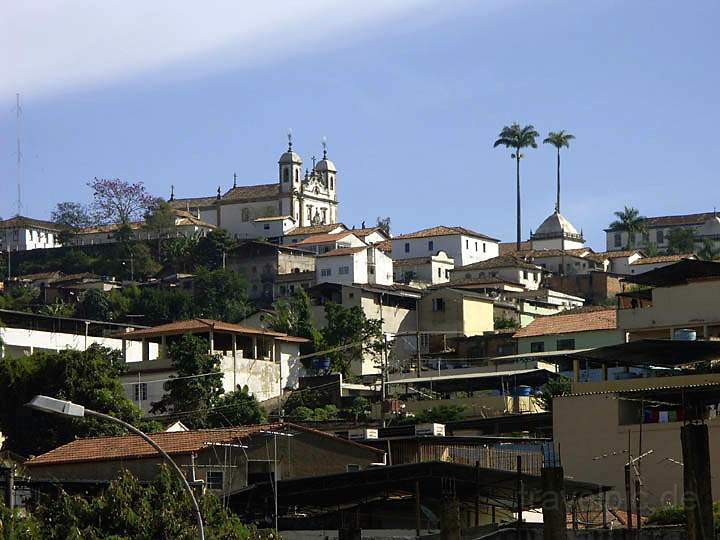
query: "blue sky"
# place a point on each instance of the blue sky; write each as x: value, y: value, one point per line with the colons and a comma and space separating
x: 409, y: 93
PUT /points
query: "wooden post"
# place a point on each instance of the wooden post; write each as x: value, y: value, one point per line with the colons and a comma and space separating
x: 576, y: 370
x: 417, y: 508
x: 628, y: 498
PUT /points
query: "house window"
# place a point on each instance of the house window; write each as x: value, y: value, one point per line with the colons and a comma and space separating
x: 292, y: 288
x: 282, y: 289
x: 484, y: 247
x: 140, y: 391
x: 431, y: 245
x: 266, y: 226
x: 439, y: 272
x: 660, y: 235
x: 537, y: 346
x: 438, y: 304
x: 468, y: 275
x: 245, y: 214
x: 476, y: 248
x: 525, y: 274
x: 214, y: 479
x: 407, y: 247
x: 565, y: 344
x: 535, y: 276
x: 325, y: 272
x: 352, y: 467
x: 467, y: 244
x: 618, y: 239
x: 447, y: 274
x: 344, y: 270
x: 332, y: 183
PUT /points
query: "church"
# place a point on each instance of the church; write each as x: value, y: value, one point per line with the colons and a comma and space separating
x: 296, y: 199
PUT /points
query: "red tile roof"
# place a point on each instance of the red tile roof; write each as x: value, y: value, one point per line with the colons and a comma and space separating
x: 177, y: 442
x: 343, y: 251
x: 443, y: 230
x: 664, y: 259
x: 618, y: 254
x: 205, y: 325
x: 324, y: 238
x: 577, y: 320
x: 314, y: 229
x: 509, y: 247
x: 503, y: 261
x: 22, y: 221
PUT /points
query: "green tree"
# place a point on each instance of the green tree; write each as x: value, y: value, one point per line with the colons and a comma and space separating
x: 551, y: 389
x: 651, y: 250
x: 220, y: 294
x: 629, y: 221
x: 58, y: 309
x: 294, y: 316
x: 197, y: 385
x: 95, y: 305
x: 160, y: 221
x: 681, y: 241
x: 128, y: 509
x: 237, y: 408
x: 360, y: 409
x: 178, y: 253
x: 350, y: 334
x: 559, y: 139
x: 384, y: 223
x: 89, y: 378
x: 212, y: 248
x: 709, y: 251
x: 442, y: 414
x: 71, y: 216
x: 517, y: 138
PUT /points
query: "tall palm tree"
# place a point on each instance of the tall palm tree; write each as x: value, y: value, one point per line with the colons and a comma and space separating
x: 559, y: 139
x: 630, y: 221
x: 517, y: 138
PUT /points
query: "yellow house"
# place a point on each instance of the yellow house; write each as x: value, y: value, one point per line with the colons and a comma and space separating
x: 455, y: 312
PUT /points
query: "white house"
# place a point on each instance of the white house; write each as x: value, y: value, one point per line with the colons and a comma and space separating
x: 186, y: 224
x: 705, y: 226
x: 265, y: 361
x: 507, y: 267
x: 348, y: 265
x: 461, y: 244
x: 430, y: 270
x: 323, y: 243
x: 620, y: 261
x: 298, y: 234
x: 273, y: 228
x: 308, y: 198
x: 568, y: 262
x: 640, y: 266
x: 22, y: 233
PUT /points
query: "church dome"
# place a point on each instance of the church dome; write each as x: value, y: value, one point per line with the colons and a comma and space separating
x: 556, y: 226
x: 290, y: 157
x: 325, y: 165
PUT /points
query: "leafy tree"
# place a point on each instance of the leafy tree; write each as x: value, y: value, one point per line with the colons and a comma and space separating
x: 128, y: 509
x: 144, y: 264
x: 651, y: 250
x: 442, y: 414
x: 160, y: 220
x: 350, y: 332
x: 709, y: 251
x: 238, y: 408
x: 384, y: 224
x: 551, y: 389
x: 360, y: 409
x: 178, y: 253
x: 196, y: 386
x: 505, y: 322
x: 70, y: 216
x: 220, y: 294
x: 19, y: 298
x: 212, y: 247
x: 517, y: 138
x: 559, y: 139
x: 58, y: 309
x: 119, y: 201
x: 630, y: 221
x: 310, y: 399
x: 294, y: 316
x: 681, y: 241
x: 89, y: 378
x: 95, y: 305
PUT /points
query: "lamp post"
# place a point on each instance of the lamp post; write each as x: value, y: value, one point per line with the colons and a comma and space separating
x: 275, y: 467
x: 68, y: 408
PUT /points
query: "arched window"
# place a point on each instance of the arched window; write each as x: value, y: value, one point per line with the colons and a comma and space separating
x: 297, y: 175
x: 286, y: 174
x: 332, y: 182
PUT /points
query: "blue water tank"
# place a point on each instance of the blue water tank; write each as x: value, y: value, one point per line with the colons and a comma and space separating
x: 322, y: 363
x: 522, y: 390
x: 684, y: 334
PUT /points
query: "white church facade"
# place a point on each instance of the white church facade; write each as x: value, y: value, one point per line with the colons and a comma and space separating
x: 296, y: 199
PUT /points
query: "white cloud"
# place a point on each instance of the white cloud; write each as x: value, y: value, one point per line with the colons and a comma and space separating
x: 49, y: 46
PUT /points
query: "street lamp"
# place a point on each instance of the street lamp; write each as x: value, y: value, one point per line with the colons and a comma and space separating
x: 275, y: 469
x: 68, y: 408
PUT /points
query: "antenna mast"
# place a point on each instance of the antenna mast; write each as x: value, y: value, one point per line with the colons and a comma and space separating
x: 19, y: 154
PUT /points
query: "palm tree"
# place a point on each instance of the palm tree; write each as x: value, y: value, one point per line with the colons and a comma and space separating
x: 517, y: 137
x: 559, y: 139
x: 630, y: 221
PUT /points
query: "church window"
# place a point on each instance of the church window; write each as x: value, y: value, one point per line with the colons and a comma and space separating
x: 476, y: 246
x: 618, y: 239
x: 245, y: 214
x: 286, y: 174
x: 467, y: 244
x: 407, y: 247
x: 660, y: 235
x: 296, y: 175
x: 439, y: 272
x: 431, y: 245
x: 484, y: 247
x: 332, y: 183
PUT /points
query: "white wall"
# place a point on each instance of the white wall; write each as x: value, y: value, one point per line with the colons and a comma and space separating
x: 22, y: 239
x: 20, y: 341
x: 356, y: 265
x: 530, y: 279
x: 383, y: 267
x: 557, y: 243
x: 463, y: 249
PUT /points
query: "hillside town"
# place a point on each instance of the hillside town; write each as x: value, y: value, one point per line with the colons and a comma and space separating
x: 272, y: 351
x: 390, y: 270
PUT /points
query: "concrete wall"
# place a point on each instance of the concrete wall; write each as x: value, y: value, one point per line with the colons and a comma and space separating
x: 463, y: 315
x: 594, y: 445
x: 694, y: 304
x: 22, y: 342
x: 464, y: 249
x: 583, y: 340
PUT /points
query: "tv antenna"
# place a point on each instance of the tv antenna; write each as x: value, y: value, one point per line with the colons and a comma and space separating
x: 18, y: 112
